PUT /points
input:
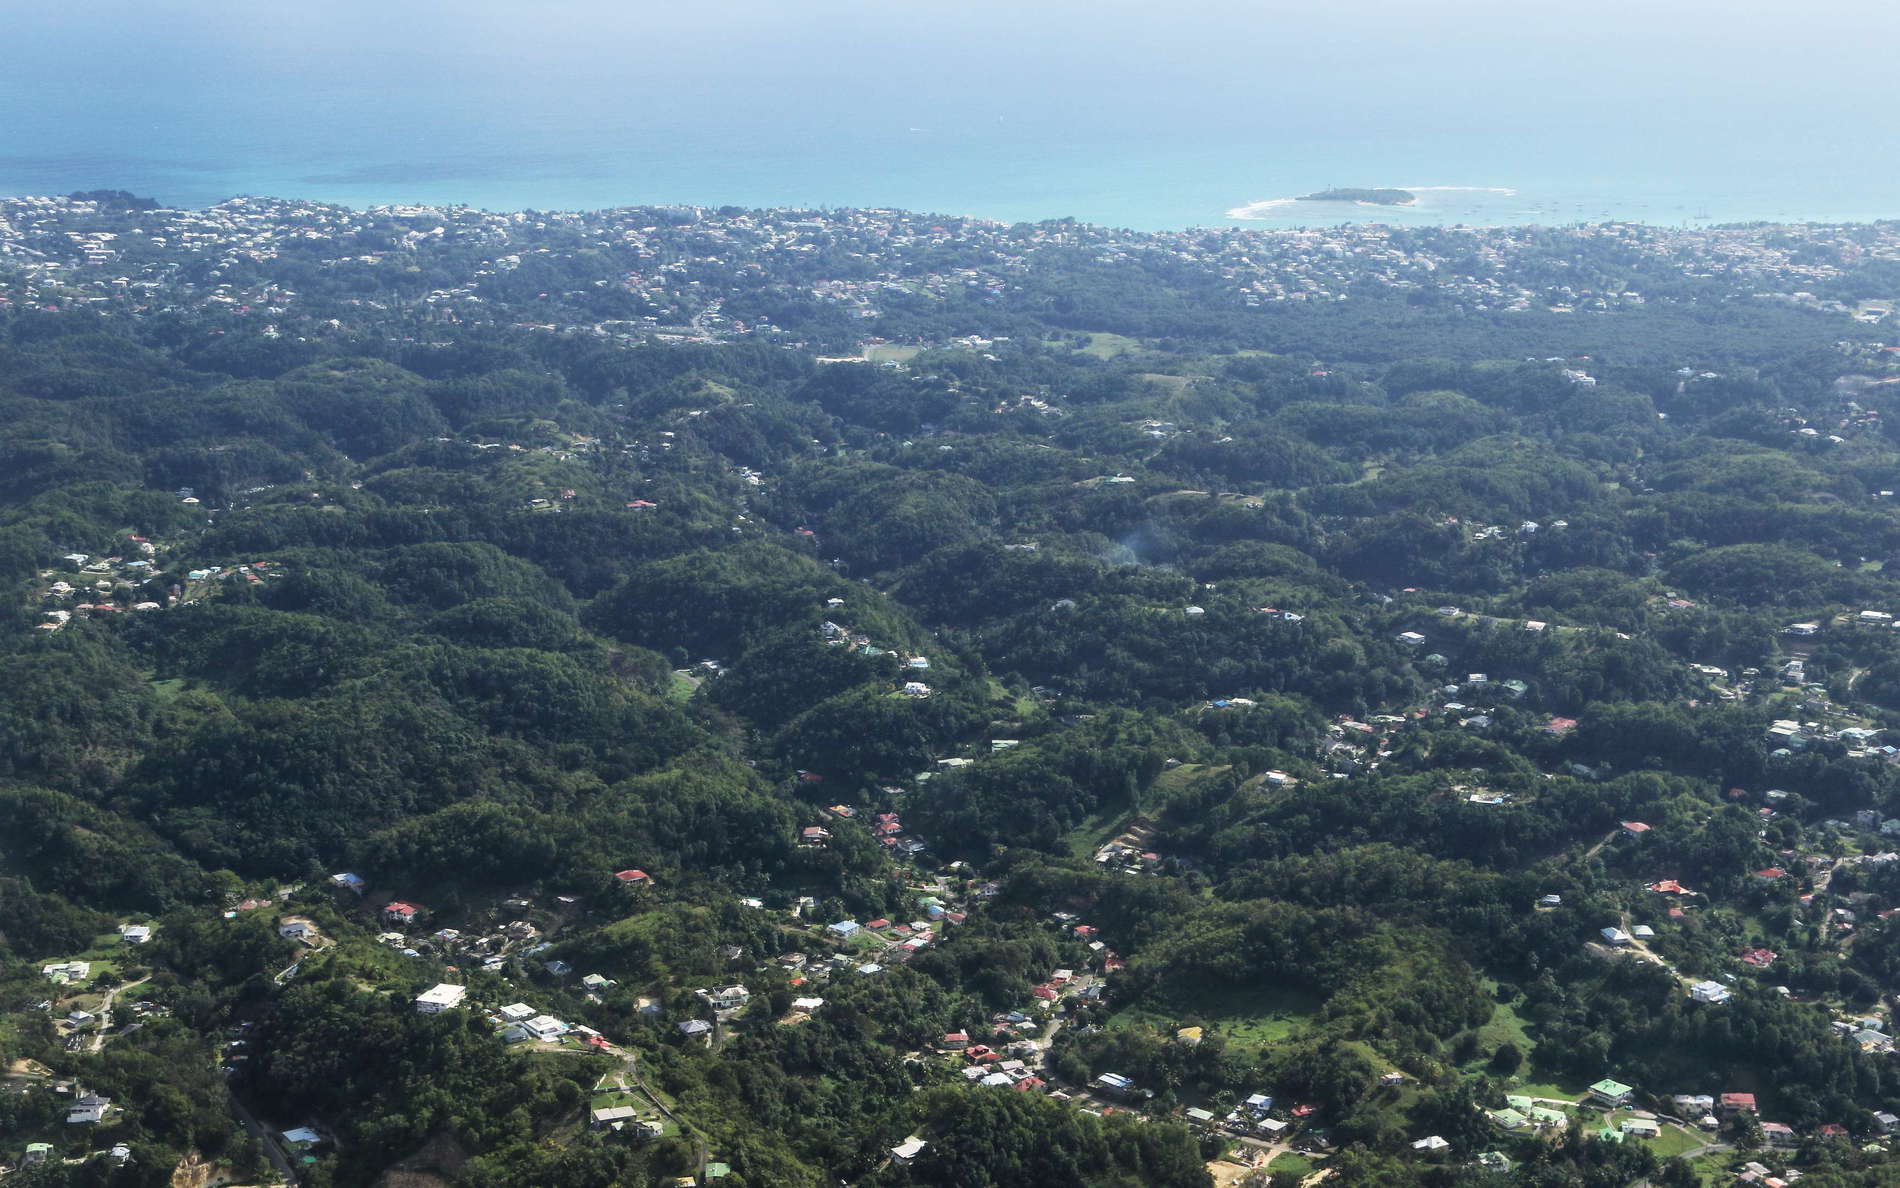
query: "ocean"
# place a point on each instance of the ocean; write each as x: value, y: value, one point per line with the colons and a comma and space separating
x: 1210, y: 114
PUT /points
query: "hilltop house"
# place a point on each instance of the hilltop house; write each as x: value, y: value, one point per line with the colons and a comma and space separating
x: 439, y: 998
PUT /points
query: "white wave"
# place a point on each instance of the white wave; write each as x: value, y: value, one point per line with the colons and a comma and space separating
x: 1259, y: 210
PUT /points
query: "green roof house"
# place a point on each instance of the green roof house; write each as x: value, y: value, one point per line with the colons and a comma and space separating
x: 1614, y: 1094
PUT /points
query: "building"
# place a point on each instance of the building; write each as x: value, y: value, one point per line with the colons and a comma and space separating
x: 398, y: 912
x: 1613, y: 1094
x: 135, y: 934
x: 1738, y: 1103
x: 606, y: 1116
x: 518, y: 1012
x: 908, y: 1150
x: 296, y: 928
x: 439, y: 998
x: 1710, y: 992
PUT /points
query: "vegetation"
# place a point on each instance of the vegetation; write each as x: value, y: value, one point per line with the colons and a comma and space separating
x: 1108, y: 675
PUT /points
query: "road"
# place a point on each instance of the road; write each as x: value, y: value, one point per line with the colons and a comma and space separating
x: 267, y: 1139
x: 105, y: 1012
x: 698, y: 324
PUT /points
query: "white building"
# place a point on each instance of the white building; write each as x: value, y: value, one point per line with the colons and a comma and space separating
x: 440, y: 998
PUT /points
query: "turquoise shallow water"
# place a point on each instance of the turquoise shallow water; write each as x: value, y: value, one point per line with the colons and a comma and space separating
x: 1113, y: 113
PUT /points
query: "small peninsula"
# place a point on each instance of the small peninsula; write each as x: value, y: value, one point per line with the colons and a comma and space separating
x: 1378, y: 197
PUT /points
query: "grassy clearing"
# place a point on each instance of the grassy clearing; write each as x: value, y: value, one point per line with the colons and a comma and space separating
x: 1248, y: 1016
x: 615, y: 1097
x: 1565, y: 1090
x: 681, y: 688
x: 1299, y: 1165
x: 888, y: 353
x: 1108, y: 346
x: 1097, y: 829
x: 1674, y: 1140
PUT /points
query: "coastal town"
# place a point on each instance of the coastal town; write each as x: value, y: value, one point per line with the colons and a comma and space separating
x: 690, y: 274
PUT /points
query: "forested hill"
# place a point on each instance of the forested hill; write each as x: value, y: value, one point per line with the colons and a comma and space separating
x: 787, y: 698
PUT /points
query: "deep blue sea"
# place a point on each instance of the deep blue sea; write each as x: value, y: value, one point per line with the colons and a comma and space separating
x: 1140, y: 115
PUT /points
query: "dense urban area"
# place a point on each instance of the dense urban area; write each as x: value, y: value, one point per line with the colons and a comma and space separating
x: 674, y: 696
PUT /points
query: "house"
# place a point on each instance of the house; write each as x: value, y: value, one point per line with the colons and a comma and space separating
x: 596, y: 982
x: 1886, y: 1123
x: 302, y: 1136
x: 607, y: 1116
x: 557, y: 967
x: 1550, y: 901
x: 1760, y: 958
x: 805, y: 1006
x: 727, y: 998
x: 135, y: 934
x: 1779, y: 1134
x: 36, y: 1153
x: 633, y: 878
x: 694, y: 1028
x: 439, y: 998
x: 398, y: 912
x: 517, y: 1012
x: 348, y: 882
x: 1410, y: 639
x: 1634, y: 829
x: 1114, y: 1083
x: 545, y: 1028
x: 814, y: 835
x: 1710, y: 992
x: 1259, y: 1103
x: 1613, y: 1094
x: 1641, y: 1127
x: 1431, y: 1143
x: 1737, y: 1103
x: 1509, y: 1119
x: 296, y: 928
x: 954, y: 1041
x: 1642, y: 932
x: 916, y: 689
x: 61, y: 973
x: 88, y: 1109
x: 907, y: 1151
x: 843, y: 929
x: 1199, y: 1116
x: 1615, y: 936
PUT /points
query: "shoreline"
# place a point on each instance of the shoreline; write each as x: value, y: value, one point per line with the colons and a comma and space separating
x: 1260, y: 209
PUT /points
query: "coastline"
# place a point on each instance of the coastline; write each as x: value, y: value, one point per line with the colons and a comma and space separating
x: 1269, y: 208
